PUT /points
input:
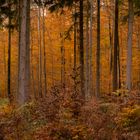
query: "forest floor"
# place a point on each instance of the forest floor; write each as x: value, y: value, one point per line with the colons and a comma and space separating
x: 61, y: 117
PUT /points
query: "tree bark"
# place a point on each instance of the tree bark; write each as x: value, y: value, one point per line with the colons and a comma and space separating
x: 40, y: 54
x: 9, y: 56
x: 81, y: 47
x: 90, y: 49
x: 75, y: 48
x: 115, y: 62
x: 129, y: 51
x: 98, y: 51
x: 24, y: 46
x: 44, y: 49
x: 87, y: 52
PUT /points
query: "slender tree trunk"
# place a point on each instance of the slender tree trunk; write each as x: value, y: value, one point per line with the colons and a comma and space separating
x: 115, y: 62
x: 119, y: 65
x: 40, y: 53
x: 122, y: 55
x: 24, y: 34
x: 75, y: 47
x: 32, y: 68
x: 28, y: 82
x: 129, y: 51
x: 62, y: 48
x: 98, y: 51
x: 44, y: 49
x: 87, y: 53
x: 9, y: 55
x: 90, y: 49
x: 82, y: 78
x: 111, y: 45
x: 62, y: 63
x: 5, y: 69
x: 9, y: 61
x: 19, y: 28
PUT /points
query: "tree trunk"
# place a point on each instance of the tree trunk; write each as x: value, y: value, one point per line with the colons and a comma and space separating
x: 119, y: 65
x: 87, y: 53
x: 44, y: 49
x: 75, y: 47
x: 9, y: 56
x: 40, y: 54
x: 129, y: 51
x: 81, y: 47
x: 24, y: 46
x: 5, y: 69
x: 62, y: 65
x: 62, y: 48
x: 32, y: 68
x: 98, y: 51
x: 115, y: 62
x: 111, y: 56
x: 90, y: 49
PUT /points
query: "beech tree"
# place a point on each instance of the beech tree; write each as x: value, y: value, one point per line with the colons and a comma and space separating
x: 24, y: 52
x: 44, y: 49
x: 129, y: 51
x: 91, y: 48
x: 81, y: 49
x: 98, y: 51
x: 115, y: 60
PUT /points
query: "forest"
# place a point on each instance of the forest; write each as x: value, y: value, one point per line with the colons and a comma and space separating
x: 70, y: 69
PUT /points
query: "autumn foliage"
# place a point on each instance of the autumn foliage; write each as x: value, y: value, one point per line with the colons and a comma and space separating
x: 60, y: 117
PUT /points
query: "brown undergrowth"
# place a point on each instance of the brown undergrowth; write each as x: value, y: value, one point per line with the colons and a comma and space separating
x: 68, y: 117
